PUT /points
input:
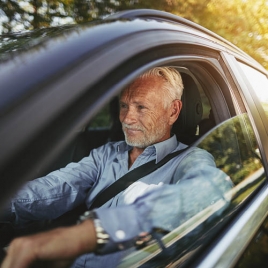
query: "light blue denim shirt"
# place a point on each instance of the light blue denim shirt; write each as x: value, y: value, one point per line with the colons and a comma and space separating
x: 163, y: 199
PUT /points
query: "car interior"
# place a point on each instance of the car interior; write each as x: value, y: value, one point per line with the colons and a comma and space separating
x: 105, y: 127
x: 190, y: 126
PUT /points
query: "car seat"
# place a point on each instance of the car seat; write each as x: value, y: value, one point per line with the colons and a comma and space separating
x: 186, y: 127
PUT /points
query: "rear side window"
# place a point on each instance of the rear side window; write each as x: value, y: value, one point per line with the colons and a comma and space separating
x: 260, y: 84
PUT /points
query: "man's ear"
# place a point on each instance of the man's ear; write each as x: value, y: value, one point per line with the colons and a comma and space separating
x: 175, y: 111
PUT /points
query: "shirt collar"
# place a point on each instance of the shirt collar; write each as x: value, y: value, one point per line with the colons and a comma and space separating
x: 161, y: 149
x: 165, y: 147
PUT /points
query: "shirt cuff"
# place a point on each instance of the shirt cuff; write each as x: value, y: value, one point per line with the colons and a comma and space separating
x: 123, y: 227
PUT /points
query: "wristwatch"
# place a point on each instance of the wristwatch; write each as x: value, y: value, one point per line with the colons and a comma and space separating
x: 102, y: 236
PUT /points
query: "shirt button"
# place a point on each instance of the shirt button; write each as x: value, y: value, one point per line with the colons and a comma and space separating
x: 120, y: 234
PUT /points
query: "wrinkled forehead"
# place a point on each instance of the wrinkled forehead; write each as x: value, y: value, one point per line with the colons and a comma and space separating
x: 142, y: 87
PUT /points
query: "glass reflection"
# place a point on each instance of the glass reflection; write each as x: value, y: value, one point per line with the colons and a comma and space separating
x: 234, y: 148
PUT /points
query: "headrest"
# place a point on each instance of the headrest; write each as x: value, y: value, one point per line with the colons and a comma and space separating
x: 186, y: 127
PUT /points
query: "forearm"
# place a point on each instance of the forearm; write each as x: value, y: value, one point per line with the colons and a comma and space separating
x: 61, y: 245
x: 49, y: 197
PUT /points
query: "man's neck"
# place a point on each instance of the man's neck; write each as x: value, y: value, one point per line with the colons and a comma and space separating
x: 133, y: 155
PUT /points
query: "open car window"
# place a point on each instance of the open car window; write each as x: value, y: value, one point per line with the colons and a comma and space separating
x: 196, y: 118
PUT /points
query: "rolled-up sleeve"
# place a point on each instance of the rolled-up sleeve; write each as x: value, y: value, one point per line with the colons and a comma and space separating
x: 60, y: 191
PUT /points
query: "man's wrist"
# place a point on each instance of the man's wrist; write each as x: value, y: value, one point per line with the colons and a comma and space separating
x: 102, y: 238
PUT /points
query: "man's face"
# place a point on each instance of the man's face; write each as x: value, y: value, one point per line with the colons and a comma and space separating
x: 144, y: 119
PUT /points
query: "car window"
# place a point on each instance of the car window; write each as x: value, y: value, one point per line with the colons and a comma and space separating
x: 238, y: 157
x: 259, y: 82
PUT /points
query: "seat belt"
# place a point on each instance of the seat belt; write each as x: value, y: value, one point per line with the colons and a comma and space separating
x: 129, y: 178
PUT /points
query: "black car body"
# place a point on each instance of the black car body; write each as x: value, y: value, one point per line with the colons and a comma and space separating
x: 57, y: 91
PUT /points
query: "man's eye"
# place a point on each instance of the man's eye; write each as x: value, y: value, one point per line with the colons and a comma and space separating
x: 123, y: 106
x: 140, y: 107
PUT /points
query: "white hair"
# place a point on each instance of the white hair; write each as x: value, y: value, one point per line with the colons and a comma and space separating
x: 173, y: 85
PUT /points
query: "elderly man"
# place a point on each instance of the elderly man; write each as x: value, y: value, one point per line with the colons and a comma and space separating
x: 162, y: 199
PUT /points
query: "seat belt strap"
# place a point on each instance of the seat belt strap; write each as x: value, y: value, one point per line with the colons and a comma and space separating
x: 129, y: 178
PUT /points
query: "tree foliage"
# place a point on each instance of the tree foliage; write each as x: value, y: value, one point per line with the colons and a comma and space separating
x: 243, y: 22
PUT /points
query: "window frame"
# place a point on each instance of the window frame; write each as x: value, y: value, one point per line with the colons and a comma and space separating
x: 250, y: 100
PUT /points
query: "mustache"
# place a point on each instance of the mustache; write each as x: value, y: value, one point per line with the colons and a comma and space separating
x: 124, y: 126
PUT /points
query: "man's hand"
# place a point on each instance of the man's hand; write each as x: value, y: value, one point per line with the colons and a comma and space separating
x: 56, y: 248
